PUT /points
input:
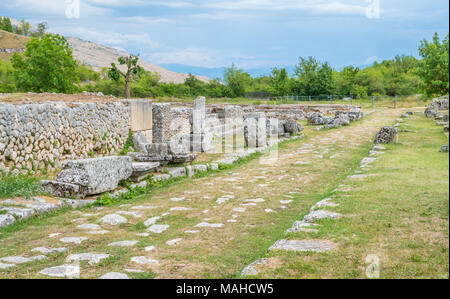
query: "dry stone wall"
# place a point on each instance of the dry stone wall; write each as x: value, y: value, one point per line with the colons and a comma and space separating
x: 38, y: 137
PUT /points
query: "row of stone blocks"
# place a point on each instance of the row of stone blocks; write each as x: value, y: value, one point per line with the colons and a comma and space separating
x: 81, y: 178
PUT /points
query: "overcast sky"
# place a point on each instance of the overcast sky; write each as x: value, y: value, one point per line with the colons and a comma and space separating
x: 249, y: 33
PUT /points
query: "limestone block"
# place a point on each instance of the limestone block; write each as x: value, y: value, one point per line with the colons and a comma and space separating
x: 141, y: 115
x: 96, y: 175
x: 292, y: 126
x: 201, y: 142
x: 180, y: 145
x: 198, y: 119
x: 143, y: 169
x: 65, y: 190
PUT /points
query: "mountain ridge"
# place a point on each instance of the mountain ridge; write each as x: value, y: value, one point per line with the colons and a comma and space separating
x: 96, y: 55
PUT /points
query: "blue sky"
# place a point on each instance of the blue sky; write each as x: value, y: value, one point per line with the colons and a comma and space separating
x: 249, y: 33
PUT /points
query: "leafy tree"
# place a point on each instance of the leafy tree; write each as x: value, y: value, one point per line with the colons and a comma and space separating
x: 7, y: 79
x: 47, y: 65
x: 313, y: 78
x: 24, y: 27
x: 6, y: 25
x: 435, y: 68
x: 132, y: 69
x: 279, y: 82
x: 347, y: 80
x: 237, y: 80
x: 86, y: 73
x: 192, y: 81
x: 41, y: 28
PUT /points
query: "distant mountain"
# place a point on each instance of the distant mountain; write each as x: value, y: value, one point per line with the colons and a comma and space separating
x: 218, y: 72
x: 99, y: 56
x: 212, y: 73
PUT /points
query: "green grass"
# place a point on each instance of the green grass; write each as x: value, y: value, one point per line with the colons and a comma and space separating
x: 381, y: 102
x: 401, y: 215
x: 19, y: 186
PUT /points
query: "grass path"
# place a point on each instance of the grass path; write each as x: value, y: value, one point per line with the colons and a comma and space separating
x: 398, y: 218
x: 306, y: 171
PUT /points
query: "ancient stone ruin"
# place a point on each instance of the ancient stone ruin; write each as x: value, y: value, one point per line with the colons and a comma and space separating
x: 84, y: 140
x: 80, y: 178
x: 340, y: 118
x: 439, y: 110
x: 386, y: 135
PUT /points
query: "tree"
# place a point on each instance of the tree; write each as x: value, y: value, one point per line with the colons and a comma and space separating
x: 41, y: 28
x: 347, y: 80
x: 132, y: 69
x: 434, y: 70
x: 6, y: 25
x: 279, y: 82
x: 236, y: 80
x: 25, y: 27
x: 192, y: 81
x: 313, y: 78
x: 46, y: 66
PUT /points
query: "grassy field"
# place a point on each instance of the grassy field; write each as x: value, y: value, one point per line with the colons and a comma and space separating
x: 381, y: 102
x: 400, y: 215
x: 11, y: 41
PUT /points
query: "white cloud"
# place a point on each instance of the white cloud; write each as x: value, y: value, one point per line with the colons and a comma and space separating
x: 54, y: 7
x: 314, y: 6
x: 118, y: 2
x: 206, y: 58
x: 187, y: 56
x: 110, y: 38
x: 223, y: 16
x: 320, y: 6
x: 146, y: 20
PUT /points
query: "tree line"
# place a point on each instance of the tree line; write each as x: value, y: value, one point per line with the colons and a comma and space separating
x: 36, y: 70
x: 24, y: 28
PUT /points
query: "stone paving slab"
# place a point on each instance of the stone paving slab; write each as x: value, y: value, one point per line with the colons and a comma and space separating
x: 61, y: 271
x: 91, y: 258
x: 321, y: 214
x: 303, y: 245
x: 114, y: 275
x: 22, y: 260
x: 252, y: 268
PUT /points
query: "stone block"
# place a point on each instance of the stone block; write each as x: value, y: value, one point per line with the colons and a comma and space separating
x: 201, y: 143
x: 180, y: 145
x: 141, y: 139
x: 255, y: 129
x: 157, y: 149
x: 291, y: 126
x: 198, y: 119
x: 6, y: 220
x: 177, y: 172
x: 141, y: 170
x: 141, y: 115
x: 65, y: 190
x: 96, y: 175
